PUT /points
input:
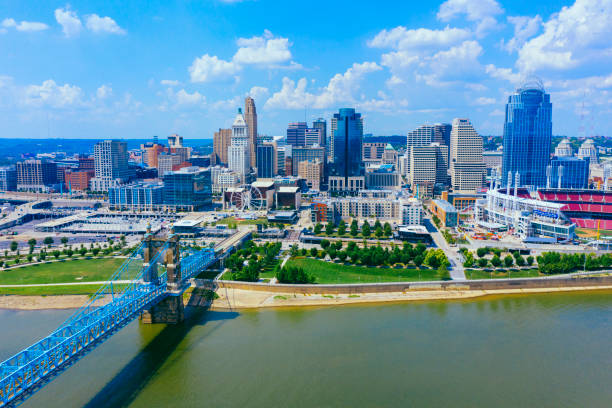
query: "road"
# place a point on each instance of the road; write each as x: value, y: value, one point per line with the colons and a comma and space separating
x: 456, y: 269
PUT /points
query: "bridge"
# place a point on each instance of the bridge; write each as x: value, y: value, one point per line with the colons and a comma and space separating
x: 149, y: 285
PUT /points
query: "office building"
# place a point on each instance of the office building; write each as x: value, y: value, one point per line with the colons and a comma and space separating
x: 36, y: 175
x: 467, y: 168
x: 441, y: 133
x: 188, y: 189
x: 77, y: 180
x: 321, y: 125
x: 312, y: 137
x: 421, y: 136
x: 445, y: 212
x: 346, y: 171
x: 564, y: 149
x: 8, y: 178
x: 382, y: 177
x: 86, y: 163
x: 282, y: 152
x: 300, y: 154
x: 312, y: 172
x: 568, y: 172
x: 373, y: 151
x: 390, y: 155
x: 221, y: 142
x: 250, y: 116
x: 222, y: 178
x: 588, y: 149
x: 423, y: 171
x: 150, y: 153
x: 136, y: 196
x: 111, y: 165
x: 266, y: 160
x: 492, y: 159
x: 175, y: 141
x: 240, y: 147
x: 296, y: 134
x: 528, y: 134
x: 411, y: 211
x: 166, y: 163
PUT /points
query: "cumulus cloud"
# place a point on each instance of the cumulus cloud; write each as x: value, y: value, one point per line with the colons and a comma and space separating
x: 258, y: 92
x: 577, y: 35
x: 169, y: 82
x: 185, y: 98
x: 401, y: 38
x: 482, y: 12
x: 24, y: 26
x: 104, y: 92
x: 265, y: 50
x: 52, y: 95
x: 340, y: 89
x: 483, y: 100
x: 98, y: 24
x: 524, y: 28
x: 70, y: 22
x: 207, y: 68
x: 505, y: 74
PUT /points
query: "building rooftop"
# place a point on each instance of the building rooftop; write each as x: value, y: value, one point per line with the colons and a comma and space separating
x: 288, y: 189
x: 445, y: 205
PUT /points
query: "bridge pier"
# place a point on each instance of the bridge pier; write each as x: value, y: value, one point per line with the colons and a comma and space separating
x: 168, y: 311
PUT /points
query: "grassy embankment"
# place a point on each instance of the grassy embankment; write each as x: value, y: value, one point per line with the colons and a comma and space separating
x: 81, y: 270
x: 502, y: 273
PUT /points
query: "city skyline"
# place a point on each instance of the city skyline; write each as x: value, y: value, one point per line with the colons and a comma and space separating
x: 104, y: 72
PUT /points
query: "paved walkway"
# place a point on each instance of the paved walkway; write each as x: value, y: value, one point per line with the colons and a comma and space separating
x: 456, y: 269
x: 33, y: 285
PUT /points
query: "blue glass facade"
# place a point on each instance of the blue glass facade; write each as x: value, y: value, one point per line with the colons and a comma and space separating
x: 189, y: 188
x: 575, y: 173
x: 265, y: 161
x: 296, y: 133
x: 137, y: 195
x: 348, y: 141
x: 527, y: 135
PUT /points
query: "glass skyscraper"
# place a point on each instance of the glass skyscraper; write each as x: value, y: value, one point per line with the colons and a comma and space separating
x: 527, y: 135
x: 348, y: 140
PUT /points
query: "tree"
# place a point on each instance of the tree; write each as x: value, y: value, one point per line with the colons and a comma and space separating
x: 418, y: 260
x: 314, y: 252
x: 469, y: 260
x: 342, y: 228
x: 443, y: 272
x: 290, y: 274
x: 481, y: 252
x: 14, y: 246
x: 324, y: 244
x: 83, y: 251
x: 338, y: 245
x: 496, y: 261
x: 365, y: 229
x: 520, y: 261
x: 342, y: 256
x: 42, y: 255
x: 303, y: 252
x: 387, y: 229
x: 318, y: 228
x: 70, y: 252
x: 56, y: 254
x: 379, y: 232
x: 530, y: 260
x: 508, y: 261
x: 354, y: 228
x: 377, y: 224
x: 31, y: 244
x: 329, y: 228
x: 30, y: 257
x: 482, y: 262
x: 64, y: 240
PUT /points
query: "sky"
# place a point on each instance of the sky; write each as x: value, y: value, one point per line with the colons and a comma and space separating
x: 115, y: 69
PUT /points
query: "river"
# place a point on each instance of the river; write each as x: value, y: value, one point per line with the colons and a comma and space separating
x: 549, y: 350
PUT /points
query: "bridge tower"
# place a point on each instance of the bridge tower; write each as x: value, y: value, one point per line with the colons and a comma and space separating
x: 170, y: 310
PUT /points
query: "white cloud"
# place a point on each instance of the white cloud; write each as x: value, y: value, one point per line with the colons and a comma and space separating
x: 456, y: 63
x: 99, y: 24
x: 258, y: 92
x: 503, y: 73
x: 70, y: 22
x: 169, y: 82
x: 104, y: 92
x: 340, y: 89
x: 483, y: 101
x: 24, y: 26
x: 524, y: 28
x: 575, y: 36
x: 400, y: 38
x: 53, y: 95
x: 263, y: 50
x: 209, y: 67
x: 482, y: 12
x: 185, y: 98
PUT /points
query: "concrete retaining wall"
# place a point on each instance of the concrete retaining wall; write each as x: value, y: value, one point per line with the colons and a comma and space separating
x: 575, y: 280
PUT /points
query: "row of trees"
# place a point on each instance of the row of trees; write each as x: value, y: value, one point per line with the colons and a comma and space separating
x: 293, y: 274
x: 550, y: 263
x: 247, y: 263
x: 379, y: 229
x: 48, y: 241
x: 496, y: 261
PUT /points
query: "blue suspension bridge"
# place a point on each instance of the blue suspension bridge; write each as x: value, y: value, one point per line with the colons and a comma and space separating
x: 149, y: 284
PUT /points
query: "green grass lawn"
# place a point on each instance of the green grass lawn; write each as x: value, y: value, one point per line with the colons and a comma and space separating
x: 268, y: 271
x: 502, y: 273
x: 62, y: 272
x: 233, y: 220
x: 328, y: 272
x: 51, y: 290
x: 372, y: 237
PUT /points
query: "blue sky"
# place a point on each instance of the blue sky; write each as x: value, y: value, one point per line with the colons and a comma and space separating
x: 89, y: 69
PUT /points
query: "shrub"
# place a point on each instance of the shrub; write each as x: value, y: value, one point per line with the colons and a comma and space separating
x: 496, y: 261
x: 508, y: 261
x: 482, y: 262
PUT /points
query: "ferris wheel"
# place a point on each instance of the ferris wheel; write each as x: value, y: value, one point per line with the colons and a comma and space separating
x: 247, y: 198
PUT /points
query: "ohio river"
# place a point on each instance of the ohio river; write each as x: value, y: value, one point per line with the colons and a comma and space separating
x: 541, y: 350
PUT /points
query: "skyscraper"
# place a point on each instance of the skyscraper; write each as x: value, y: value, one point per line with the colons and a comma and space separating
x: 312, y: 137
x: 266, y: 160
x: 221, y: 142
x: 296, y: 133
x: 421, y: 136
x: 346, y: 172
x: 467, y: 166
x: 321, y: 124
x: 250, y: 116
x: 441, y: 133
x: 239, y: 150
x: 528, y: 134
x: 111, y: 164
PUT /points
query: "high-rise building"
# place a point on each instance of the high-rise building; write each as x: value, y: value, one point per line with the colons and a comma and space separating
x: 77, y: 179
x: 221, y: 142
x: 175, y: 141
x: 296, y: 133
x: 189, y: 188
x: 312, y: 172
x: 568, y: 172
x: 373, y: 151
x: 441, y: 133
x: 266, y: 160
x: 282, y: 152
x: 527, y: 134
x: 150, y: 153
x: 564, y: 149
x: 588, y: 149
x: 250, y: 116
x: 8, y: 178
x: 300, y: 154
x: 240, y: 147
x: 166, y: 163
x: 321, y: 124
x: 36, y: 175
x: 421, y: 136
x: 111, y: 164
x: 312, y: 137
x: 467, y: 166
x: 347, y: 171
x: 423, y: 170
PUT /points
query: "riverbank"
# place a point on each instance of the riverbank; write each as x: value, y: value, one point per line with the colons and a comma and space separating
x: 230, y: 298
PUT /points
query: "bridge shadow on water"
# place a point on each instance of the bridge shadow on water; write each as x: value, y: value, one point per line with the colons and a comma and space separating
x: 134, y: 377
